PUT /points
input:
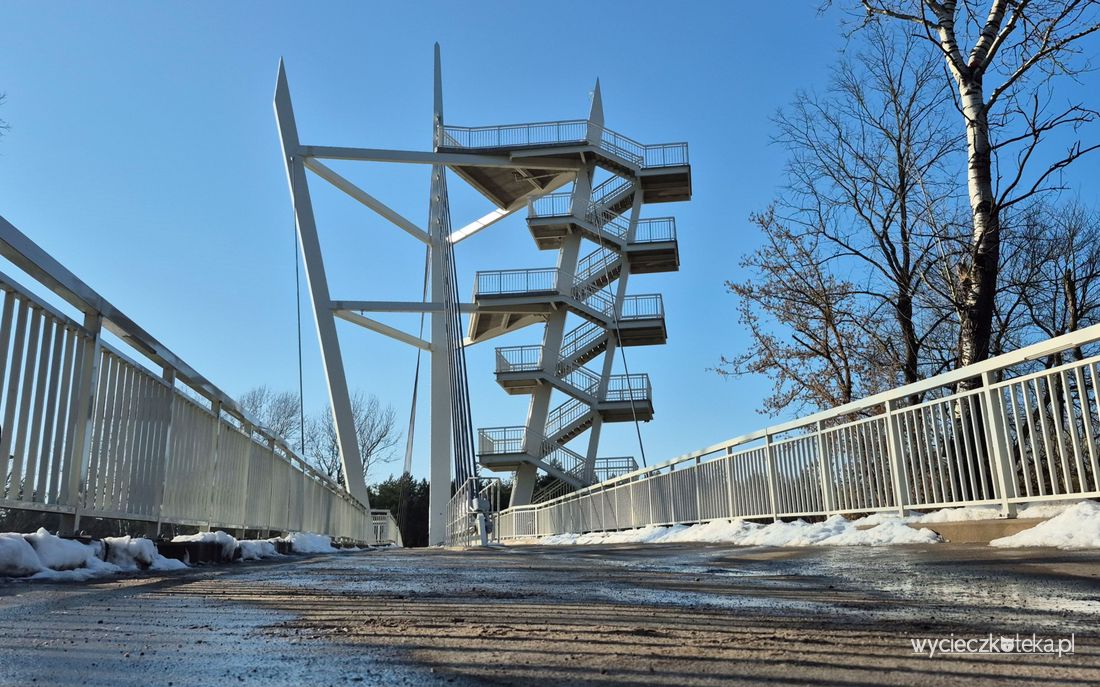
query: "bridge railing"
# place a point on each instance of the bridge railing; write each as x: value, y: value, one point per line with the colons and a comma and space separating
x: 574, y: 131
x: 1015, y: 429
x: 477, y: 495
x: 89, y: 432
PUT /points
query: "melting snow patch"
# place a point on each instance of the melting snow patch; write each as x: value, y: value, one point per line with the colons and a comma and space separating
x: 304, y: 542
x: 1076, y: 527
x: 62, y: 554
x: 225, y: 540
x: 255, y: 549
x: 130, y: 553
x: 834, y: 531
x: 17, y: 556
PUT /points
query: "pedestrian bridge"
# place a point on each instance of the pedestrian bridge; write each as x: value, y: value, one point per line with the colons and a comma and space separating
x: 99, y: 419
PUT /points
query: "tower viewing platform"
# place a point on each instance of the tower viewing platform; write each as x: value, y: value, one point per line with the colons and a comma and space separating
x: 594, y: 223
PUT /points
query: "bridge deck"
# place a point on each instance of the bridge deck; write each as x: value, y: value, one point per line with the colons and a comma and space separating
x: 659, y: 615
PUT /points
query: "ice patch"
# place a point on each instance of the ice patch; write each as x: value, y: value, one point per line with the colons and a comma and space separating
x: 1076, y: 527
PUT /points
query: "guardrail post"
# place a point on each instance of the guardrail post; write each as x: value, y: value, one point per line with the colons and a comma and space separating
x: 698, y: 498
x: 83, y: 422
x: 728, y: 460
x: 997, y: 439
x: 169, y: 376
x: 828, y: 499
x: 894, y: 453
x: 769, y: 461
x: 270, y: 488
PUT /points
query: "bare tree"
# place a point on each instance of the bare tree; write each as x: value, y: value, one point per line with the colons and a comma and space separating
x: 822, y: 358
x: 1062, y: 246
x: 853, y: 234
x: 1002, y: 56
x: 278, y: 411
x: 375, y: 430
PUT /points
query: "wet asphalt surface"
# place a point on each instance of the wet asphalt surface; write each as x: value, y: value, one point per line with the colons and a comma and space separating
x: 626, y: 614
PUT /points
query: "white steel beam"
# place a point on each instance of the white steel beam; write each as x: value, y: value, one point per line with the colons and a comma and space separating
x: 376, y: 326
x: 398, y: 306
x: 310, y: 245
x: 418, y: 157
x: 366, y: 199
x: 500, y: 213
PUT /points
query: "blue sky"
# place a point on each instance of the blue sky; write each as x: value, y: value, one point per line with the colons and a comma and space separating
x: 143, y: 155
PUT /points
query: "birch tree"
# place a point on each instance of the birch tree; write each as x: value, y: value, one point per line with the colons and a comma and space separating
x: 1002, y: 57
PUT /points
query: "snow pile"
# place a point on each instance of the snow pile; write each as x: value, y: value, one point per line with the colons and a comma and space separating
x: 1076, y: 527
x: 46, y: 556
x: 834, y: 531
x: 255, y: 549
x: 888, y: 532
x: 17, y: 556
x: 305, y: 542
x: 61, y: 554
x: 227, y: 542
x: 130, y: 553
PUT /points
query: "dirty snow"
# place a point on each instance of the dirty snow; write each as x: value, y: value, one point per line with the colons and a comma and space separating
x: 255, y: 549
x: 131, y: 553
x: 834, y: 531
x: 46, y: 556
x: 17, y: 556
x: 1077, y: 527
x: 306, y: 542
x: 224, y: 539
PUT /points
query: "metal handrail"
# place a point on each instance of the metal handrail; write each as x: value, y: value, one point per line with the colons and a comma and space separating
x: 648, y: 306
x: 611, y: 467
x: 499, y: 282
x: 580, y: 337
x: 582, y: 378
x: 607, y: 221
x: 608, y: 192
x: 596, y: 263
x: 632, y: 387
x: 501, y: 440
x: 519, y: 358
x: 565, y: 414
x: 655, y: 230
x: 551, y: 205
x: 566, y: 460
x: 564, y: 132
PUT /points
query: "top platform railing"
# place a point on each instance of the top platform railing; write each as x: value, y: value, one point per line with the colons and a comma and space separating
x: 575, y: 132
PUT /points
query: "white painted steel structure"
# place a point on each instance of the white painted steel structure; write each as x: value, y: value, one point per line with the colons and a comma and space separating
x: 590, y: 287
x: 1026, y: 435
x: 89, y: 432
x: 516, y: 167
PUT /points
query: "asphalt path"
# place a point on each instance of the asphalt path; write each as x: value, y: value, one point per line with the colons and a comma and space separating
x: 681, y: 614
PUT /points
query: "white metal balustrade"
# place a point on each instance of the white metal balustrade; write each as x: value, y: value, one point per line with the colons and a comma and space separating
x: 577, y: 131
x: 87, y: 431
x: 1024, y: 435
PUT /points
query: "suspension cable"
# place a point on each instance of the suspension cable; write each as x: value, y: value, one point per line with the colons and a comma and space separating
x: 298, y: 311
x: 622, y: 351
